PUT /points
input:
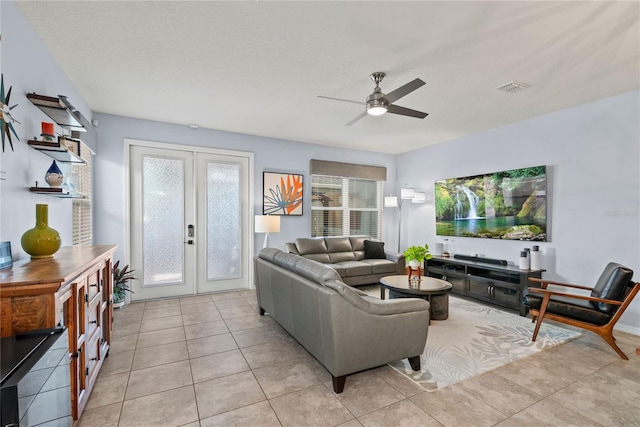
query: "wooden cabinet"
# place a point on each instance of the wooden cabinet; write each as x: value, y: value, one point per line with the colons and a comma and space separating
x: 500, y: 285
x: 73, y: 288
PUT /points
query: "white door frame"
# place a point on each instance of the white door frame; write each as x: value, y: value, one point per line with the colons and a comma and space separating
x: 128, y: 142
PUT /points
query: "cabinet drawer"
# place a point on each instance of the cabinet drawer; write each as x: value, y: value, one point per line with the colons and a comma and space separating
x: 94, y: 283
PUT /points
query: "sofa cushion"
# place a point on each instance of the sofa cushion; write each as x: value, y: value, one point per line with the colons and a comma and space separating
x: 315, y: 271
x: 286, y: 260
x: 611, y: 285
x: 379, y: 266
x: 339, y: 269
x: 356, y: 268
x: 338, y: 244
x: 291, y: 248
x: 308, y: 246
x: 357, y: 242
x: 573, y: 308
x: 336, y: 257
x: 269, y: 253
x: 374, y: 250
x: 323, y: 258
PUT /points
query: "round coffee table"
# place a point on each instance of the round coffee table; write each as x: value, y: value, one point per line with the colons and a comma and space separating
x: 436, y: 291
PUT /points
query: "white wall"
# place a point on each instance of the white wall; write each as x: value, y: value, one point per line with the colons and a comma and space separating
x: 270, y: 155
x: 592, y: 153
x: 27, y: 66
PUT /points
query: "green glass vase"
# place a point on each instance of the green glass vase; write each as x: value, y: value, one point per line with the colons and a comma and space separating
x: 41, y: 241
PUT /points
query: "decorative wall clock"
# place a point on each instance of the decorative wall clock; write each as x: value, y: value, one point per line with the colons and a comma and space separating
x: 6, y: 120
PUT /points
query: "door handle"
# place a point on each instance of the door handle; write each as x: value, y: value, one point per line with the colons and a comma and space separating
x: 190, y: 233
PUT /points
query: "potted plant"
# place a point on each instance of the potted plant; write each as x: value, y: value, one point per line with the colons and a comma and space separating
x: 415, y: 255
x: 121, y: 278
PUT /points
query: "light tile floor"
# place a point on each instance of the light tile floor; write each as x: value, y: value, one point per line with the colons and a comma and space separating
x: 213, y: 361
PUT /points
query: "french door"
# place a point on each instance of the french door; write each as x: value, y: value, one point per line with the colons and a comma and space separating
x: 190, y: 220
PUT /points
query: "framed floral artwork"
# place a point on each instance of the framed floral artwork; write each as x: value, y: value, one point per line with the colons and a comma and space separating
x: 282, y: 194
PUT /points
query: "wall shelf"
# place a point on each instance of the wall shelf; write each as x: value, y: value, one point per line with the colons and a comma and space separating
x: 57, y: 192
x: 59, y: 110
x: 56, y: 151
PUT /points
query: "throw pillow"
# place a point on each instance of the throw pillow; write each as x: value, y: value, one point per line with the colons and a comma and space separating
x: 374, y: 250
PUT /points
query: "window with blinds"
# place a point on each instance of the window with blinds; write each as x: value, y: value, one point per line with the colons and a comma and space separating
x: 343, y: 206
x: 81, y: 181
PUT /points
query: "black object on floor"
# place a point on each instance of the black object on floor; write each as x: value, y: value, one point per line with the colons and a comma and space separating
x: 18, y: 354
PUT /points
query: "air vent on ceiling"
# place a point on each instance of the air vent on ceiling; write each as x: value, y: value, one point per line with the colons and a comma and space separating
x: 513, y: 87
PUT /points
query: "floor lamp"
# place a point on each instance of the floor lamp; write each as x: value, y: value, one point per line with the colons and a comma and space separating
x: 267, y: 224
x: 405, y: 194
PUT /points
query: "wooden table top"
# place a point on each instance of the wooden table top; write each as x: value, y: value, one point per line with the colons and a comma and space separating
x: 66, y: 264
x: 426, y: 285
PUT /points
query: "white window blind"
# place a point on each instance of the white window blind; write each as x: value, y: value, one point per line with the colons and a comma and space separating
x: 81, y: 177
x: 342, y: 206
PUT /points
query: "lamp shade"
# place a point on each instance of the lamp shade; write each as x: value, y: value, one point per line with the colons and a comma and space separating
x: 267, y: 224
x: 390, y: 201
x: 419, y: 197
x: 407, y: 193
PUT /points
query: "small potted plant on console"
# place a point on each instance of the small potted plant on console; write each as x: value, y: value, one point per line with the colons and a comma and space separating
x: 121, y: 279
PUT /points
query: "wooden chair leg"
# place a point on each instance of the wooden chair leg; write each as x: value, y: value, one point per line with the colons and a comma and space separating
x: 415, y: 363
x: 608, y: 337
x: 338, y: 383
x: 541, y: 312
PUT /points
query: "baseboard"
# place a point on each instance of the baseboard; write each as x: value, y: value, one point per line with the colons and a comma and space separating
x: 633, y: 330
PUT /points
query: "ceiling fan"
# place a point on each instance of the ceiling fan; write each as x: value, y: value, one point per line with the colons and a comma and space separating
x: 378, y: 103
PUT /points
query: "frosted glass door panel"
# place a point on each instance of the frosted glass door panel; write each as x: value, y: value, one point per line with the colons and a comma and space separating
x: 190, y: 227
x: 223, y: 217
x: 163, y: 221
x: 223, y: 221
x: 162, y: 208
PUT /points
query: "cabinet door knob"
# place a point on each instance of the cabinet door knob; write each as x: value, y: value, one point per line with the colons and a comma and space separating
x: 95, y: 285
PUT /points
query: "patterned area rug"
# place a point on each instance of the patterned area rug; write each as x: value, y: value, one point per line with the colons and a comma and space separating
x: 475, y: 339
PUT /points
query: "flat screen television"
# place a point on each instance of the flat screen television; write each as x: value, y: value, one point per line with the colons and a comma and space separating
x: 510, y: 205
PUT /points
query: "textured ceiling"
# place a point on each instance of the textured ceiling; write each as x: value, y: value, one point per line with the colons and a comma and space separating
x: 258, y: 67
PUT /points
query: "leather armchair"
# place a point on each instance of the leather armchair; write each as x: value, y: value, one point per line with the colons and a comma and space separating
x: 597, y: 312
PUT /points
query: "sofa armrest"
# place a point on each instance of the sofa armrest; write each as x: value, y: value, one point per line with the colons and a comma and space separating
x: 398, y: 258
x: 374, y: 305
x: 354, y: 339
x: 394, y: 256
x: 291, y: 248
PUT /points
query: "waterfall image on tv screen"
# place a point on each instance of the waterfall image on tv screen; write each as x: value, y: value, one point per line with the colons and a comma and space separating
x: 510, y: 205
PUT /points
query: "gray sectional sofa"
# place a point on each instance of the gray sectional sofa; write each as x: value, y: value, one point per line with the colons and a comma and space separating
x: 346, y: 330
x: 359, y: 260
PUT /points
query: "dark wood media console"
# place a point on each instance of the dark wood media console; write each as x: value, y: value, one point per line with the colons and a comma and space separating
x: 502, y: 285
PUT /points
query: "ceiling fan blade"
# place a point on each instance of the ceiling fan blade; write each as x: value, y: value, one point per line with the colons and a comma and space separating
x: 406, y: 112
x: 393, y: 96
x: 340, y: 99
x: 363, y: 114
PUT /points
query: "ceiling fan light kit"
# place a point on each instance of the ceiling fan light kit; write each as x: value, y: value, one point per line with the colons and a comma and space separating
x: 375, y: 109
x: 379, y: 103
x: 376, y: 104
